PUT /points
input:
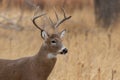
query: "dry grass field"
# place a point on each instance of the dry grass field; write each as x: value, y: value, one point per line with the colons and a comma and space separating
x: 94, y: 53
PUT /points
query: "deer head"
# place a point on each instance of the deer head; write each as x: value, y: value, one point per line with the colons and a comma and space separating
x: 53, y: 42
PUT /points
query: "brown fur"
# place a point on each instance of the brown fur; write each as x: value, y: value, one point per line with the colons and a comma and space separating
x: 37, y: 67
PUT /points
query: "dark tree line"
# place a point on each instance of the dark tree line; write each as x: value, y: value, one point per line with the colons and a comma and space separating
x: 107, y: 11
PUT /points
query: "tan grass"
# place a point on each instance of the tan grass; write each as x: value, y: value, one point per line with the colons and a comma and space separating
x: 93, y: 52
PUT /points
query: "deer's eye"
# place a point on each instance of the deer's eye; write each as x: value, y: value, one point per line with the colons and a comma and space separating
x: 53, y: 41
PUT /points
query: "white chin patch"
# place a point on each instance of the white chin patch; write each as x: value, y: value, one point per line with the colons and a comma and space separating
x: 63, y: 47
x: 51, y: 55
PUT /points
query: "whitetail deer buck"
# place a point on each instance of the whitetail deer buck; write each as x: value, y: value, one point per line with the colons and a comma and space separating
x: 39, y: 66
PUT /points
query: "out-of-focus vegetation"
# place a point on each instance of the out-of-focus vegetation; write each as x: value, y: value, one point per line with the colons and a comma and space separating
x: 107, y: 12
x: 28, y: 4
x: 94, y: 52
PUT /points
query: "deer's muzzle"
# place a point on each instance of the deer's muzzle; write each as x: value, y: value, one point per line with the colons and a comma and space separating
x: 64, y: 51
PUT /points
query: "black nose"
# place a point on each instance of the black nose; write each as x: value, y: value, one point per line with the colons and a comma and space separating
x: 64, y: 51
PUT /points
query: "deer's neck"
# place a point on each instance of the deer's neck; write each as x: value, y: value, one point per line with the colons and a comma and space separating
x: 45, y: 54
x: 42, y: 63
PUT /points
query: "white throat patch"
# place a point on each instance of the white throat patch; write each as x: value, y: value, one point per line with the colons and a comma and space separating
x: 50, y: 56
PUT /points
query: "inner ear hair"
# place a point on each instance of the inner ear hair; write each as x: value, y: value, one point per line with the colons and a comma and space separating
x: 61, y: 33
x: 44, y: 34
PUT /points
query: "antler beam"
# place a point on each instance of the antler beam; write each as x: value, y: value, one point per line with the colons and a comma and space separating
x: 36, y: 17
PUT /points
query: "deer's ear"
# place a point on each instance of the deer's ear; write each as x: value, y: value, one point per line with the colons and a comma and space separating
x: 62, y: 33
x: 44, y: 35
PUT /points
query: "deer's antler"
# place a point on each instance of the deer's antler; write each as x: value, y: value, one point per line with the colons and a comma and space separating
x: 62, y: 20
x: 36, y: 17
x: 53, y: 24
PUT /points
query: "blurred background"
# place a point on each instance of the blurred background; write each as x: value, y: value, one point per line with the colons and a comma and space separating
x: 93, y: 36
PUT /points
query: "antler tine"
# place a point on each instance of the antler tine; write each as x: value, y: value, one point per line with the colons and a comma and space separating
x: 62, y: 20
x: 56, y: 14
x: 63, y: 12
x: 51, y: 22
x: 36, y: 17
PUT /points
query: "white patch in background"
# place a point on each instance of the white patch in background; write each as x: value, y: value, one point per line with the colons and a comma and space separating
x: 63, y: 47
x: 51, y: 55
